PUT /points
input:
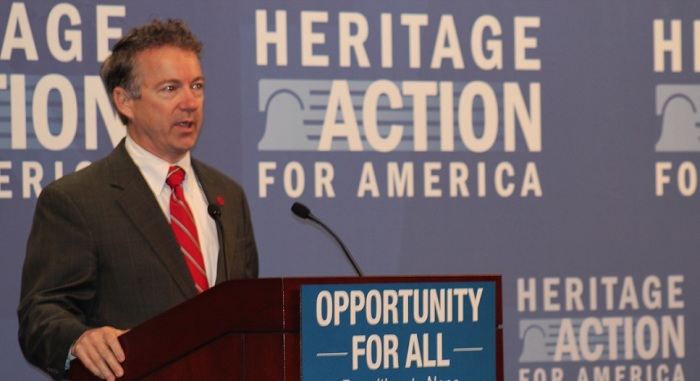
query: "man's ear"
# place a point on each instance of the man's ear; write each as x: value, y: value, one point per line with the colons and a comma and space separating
x: 123, y: 102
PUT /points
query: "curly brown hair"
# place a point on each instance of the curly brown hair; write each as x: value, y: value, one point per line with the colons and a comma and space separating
x: 119, y: 69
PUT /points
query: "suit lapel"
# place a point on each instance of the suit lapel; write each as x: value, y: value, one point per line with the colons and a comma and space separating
x: 212, y: 190
x: 139, y: 203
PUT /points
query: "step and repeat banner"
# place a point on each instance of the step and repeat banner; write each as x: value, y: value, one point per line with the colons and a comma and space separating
x: 554, y: 142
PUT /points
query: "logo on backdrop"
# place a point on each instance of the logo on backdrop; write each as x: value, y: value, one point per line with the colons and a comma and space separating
x: 601, y: 328
x: 378, y: 115
x: 678, y: 109
x: 46, y: 113
x: 385, y: 116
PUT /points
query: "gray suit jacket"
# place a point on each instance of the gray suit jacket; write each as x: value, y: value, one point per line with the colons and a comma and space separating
x: 101, y: 252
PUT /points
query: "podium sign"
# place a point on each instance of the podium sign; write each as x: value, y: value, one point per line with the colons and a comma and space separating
x: 425, y: 328
x: 399, y: 331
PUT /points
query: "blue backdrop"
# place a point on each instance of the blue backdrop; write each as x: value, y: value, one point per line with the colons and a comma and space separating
x: 553, y: 142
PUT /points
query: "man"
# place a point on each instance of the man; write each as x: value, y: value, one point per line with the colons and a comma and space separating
x: 117, y: 243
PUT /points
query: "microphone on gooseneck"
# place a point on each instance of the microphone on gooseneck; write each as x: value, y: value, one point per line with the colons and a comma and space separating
x: 302, y: 211
x: 215, y: 213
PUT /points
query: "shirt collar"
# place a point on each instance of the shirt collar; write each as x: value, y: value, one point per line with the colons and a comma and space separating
x: 155, y: 169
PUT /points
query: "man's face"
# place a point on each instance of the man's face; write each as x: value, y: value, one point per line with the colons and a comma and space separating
x: 166, y: 120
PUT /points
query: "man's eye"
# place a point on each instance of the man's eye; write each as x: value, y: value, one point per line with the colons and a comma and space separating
x: 198, y: 86
x: 169, y: 88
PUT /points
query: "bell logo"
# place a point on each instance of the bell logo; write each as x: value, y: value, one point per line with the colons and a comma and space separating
x: 679, y: 107
x: 293, y: 109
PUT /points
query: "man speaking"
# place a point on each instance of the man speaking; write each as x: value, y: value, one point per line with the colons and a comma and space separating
x: 130, y: 236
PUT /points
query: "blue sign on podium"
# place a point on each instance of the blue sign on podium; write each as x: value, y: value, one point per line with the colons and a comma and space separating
x: 399, y: 331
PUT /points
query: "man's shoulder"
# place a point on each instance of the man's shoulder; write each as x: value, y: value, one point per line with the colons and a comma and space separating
x: 210, y: 175
x: 205, y: 170
x: 93, y: 175
x: 90, y: 174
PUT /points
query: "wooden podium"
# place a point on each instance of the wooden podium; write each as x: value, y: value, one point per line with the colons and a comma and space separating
x: 246, y: 330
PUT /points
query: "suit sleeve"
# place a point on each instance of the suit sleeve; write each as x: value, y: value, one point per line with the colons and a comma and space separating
x: 58, y: 281
x: 251, y: 250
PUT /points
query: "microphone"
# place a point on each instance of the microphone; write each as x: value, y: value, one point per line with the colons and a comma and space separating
x: 303, y: 212
x: 215, y: 213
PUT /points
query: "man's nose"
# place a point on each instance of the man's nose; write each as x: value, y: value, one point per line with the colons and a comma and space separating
x: 191, y: 99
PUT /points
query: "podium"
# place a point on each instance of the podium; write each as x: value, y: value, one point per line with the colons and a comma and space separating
x: 247, y: 330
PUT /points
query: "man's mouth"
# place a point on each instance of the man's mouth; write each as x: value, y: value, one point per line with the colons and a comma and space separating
x: 185, y: 124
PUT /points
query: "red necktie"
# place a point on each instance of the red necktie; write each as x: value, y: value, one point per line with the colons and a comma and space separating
x: 182, y: 222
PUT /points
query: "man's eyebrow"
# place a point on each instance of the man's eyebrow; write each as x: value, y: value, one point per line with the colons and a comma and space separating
x: 178, y: 81
x: 172, y: 80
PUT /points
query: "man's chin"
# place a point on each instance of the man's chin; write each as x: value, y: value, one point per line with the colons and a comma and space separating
x: 186, y: 146
x: 187, y: 140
